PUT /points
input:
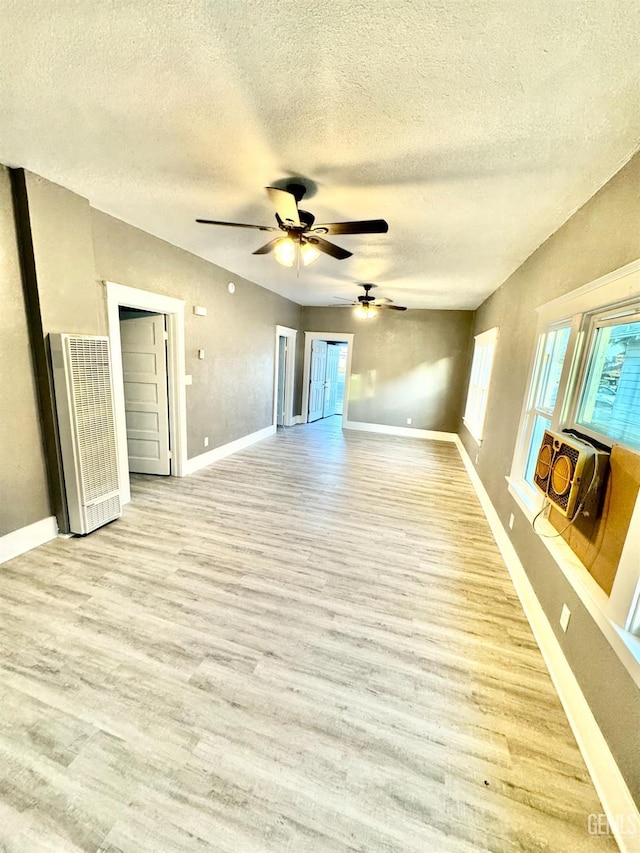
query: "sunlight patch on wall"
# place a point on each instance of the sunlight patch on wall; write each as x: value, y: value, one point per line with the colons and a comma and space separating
x: 363, y: 385
x: 424, y: 385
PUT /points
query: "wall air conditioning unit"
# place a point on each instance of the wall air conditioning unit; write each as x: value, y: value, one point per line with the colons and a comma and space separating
x: 84, y: 404
x: 570, y: 472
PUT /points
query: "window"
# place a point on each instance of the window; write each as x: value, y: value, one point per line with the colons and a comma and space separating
x: 477, y: 396
x: 552, y: 348
x: 585, y: 375
x: 609, y: 405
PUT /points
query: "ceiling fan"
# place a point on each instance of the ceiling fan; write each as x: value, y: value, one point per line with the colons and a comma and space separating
x: 303, y: 240
x: 366, y: 305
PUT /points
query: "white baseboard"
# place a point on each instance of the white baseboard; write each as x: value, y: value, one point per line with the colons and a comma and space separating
x: 199, y: 462
x: 22, y: 540
x: 406, y: 432
x: 610, y: 786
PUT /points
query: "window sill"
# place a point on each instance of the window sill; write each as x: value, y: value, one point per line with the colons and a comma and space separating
x: 596, y: 601
x: 528, y: 503
x: 477, y: 440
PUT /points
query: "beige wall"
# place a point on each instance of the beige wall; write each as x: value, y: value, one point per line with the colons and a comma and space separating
x: 602, y: 236
x: 404, y: 365
x: 71, y: 299
x: 232, y: 391
x: 24, y: 496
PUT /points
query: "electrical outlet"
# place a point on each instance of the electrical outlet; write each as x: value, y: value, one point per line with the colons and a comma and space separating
x: 477, y: 458
x: 564, y: 617
x: 201, y: 354
x: 512, y: 518
x: 408, y: 420
x: 206, y: 441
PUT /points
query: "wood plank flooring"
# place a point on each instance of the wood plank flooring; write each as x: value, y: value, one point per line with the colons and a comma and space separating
x: 312, y: 646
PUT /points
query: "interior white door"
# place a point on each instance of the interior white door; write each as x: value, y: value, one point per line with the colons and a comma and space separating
x: 282, y: 374
x: 144, y: 367
x: 331, y: 381
x: 316, y: 379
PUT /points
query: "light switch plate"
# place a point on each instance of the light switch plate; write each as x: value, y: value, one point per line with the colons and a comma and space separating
x: 200, y: 310
x: 564, y: 617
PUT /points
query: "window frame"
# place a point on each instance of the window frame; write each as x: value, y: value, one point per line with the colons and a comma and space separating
x: 528, y: 492
x: 484, y: 346
x: 616, y: 315
x: 611, y: 297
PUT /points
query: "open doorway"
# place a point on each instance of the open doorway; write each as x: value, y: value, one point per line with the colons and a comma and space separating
x: 167, y: 318
x: 327, y: 379
x: 284, y: 376
x: 143, y: 343
x: 327, y: 368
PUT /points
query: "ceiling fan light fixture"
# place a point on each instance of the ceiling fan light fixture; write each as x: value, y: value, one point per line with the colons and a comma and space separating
x: 365, y: 311
x: 285, y: 252
x: 308, y: 253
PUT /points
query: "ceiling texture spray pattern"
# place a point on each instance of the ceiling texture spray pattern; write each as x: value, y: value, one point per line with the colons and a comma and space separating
x: 474, y: 128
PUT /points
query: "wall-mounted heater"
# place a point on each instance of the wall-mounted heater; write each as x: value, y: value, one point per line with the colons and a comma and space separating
x: 84, y: 404
x: 570, y: 473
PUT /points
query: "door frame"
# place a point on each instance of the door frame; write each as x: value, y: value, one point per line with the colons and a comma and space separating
x: 289, y: 374
x: 332, y: 338
x: 120, y: 295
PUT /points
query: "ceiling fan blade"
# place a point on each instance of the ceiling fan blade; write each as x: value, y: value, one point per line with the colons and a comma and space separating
x: 394, y: 307
x: 383, y: 300
x: 237, y: 225
x: 286, y: 205
x: 344, y: 299
x: 268, y: 247
x: 365, y: 226
x: 330, y: 248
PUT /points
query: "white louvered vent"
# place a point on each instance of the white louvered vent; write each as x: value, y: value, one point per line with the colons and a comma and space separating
x: 84, y: 402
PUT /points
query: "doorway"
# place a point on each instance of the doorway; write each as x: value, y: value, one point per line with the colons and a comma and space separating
x: 284, y: 376
x: 143, y: 343
x: 172, y: 311
x: 327, y: 379
x: 326, y: 373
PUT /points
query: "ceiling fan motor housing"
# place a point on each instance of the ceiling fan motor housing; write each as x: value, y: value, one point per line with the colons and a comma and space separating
x: 307, y: 219
x: 297, y: 191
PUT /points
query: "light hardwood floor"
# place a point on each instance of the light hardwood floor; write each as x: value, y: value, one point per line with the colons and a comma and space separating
x: 312, y: 646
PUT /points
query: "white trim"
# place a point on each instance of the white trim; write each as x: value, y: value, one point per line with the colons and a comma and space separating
x: 204, y: 459
x: 605, y: 774
x: 25, y: 538
x: 626, y: 585
x: 289, y: 374
x: 334, y: 338
x: 475, y: 411
x: 583, y: 298
x: 405, y: 432
x: 131, y: 297
x: 529, y: 503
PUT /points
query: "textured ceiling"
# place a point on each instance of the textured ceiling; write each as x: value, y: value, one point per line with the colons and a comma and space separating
x: 474, y: 127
